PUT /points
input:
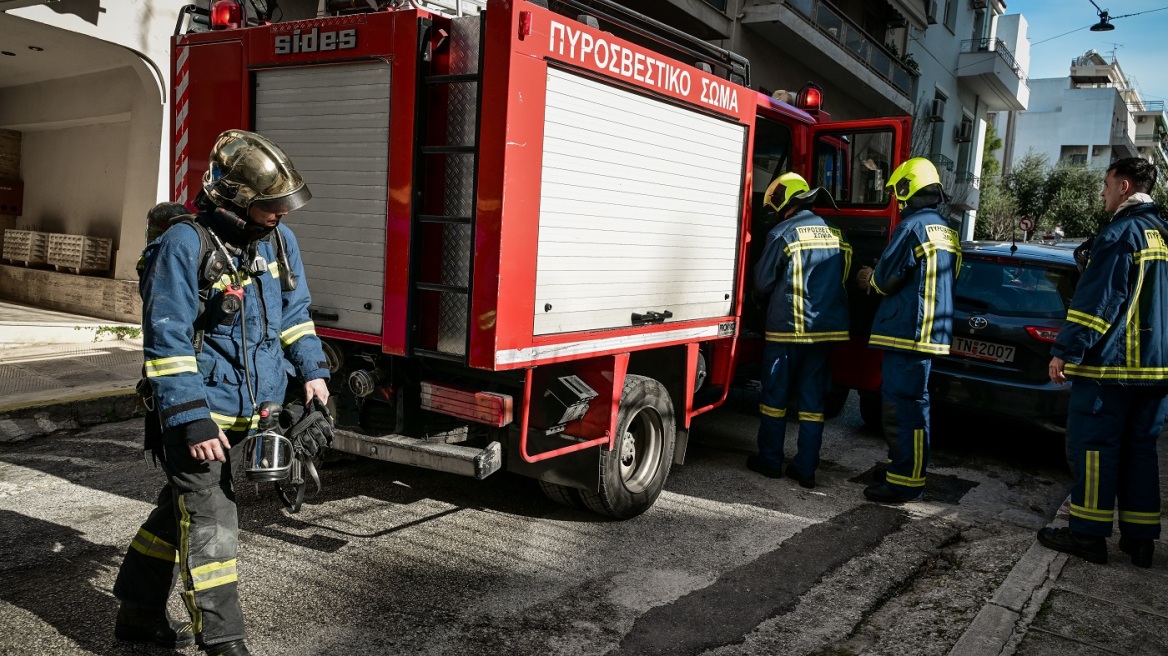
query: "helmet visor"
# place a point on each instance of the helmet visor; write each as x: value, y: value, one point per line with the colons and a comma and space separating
x: 284, y: 204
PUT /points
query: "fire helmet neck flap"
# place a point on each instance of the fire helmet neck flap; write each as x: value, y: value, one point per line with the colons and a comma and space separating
x: 248, y: 169
x: 793, y: 189
x: 912, y: 176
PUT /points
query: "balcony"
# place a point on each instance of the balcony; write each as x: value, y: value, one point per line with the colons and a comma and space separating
x: 1123, y: 142
x: 826, y: 41
x: 989, y: 69
x: 966, y: 191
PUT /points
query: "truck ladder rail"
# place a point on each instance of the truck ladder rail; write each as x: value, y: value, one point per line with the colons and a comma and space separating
x: 445, y: 186
x: 735, y: 65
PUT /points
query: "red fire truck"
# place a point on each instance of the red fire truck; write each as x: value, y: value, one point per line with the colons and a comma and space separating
x: 531, y: 234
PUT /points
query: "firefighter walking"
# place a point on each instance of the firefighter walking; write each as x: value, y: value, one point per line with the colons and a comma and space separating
x: 225, y: 311
x: 804, y: 268
x: 1113, y: 347
x: 915, y: 277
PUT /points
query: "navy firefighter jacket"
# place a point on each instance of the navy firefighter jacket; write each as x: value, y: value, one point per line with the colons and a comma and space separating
x: 1116, y: 325
x: 804, y: 267
x: 189, y: 386
x: 915, y: 276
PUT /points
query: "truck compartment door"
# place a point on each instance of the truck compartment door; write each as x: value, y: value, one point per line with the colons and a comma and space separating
x: 333, y: 121
x: 639, y: 209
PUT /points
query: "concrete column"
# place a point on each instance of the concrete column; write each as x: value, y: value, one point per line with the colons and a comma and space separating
x: 9, y: 169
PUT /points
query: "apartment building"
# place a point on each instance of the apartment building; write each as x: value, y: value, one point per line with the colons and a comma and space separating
x: 1093, y: 116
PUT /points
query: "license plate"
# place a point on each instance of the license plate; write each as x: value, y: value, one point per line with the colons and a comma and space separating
x: 977, y: 349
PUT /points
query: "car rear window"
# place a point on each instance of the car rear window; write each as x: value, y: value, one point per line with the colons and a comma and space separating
x: 1012, y: 288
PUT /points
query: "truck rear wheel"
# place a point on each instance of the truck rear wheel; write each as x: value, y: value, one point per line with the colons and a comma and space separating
x: 633, y: 473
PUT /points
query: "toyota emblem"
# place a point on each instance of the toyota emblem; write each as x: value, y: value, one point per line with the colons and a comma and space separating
x: 977, y: 323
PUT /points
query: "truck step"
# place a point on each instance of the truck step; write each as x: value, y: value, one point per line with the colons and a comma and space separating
x: 439, y: 456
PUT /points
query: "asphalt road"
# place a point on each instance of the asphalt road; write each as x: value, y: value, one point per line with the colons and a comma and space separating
x: 396, y: 560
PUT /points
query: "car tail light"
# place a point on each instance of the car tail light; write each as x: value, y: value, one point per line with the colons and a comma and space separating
x: 226, y: 15
x: 1043, y: 333
x: 482, y: 407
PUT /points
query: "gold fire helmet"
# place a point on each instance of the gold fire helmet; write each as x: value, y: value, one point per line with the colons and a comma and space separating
x: 249, y: 169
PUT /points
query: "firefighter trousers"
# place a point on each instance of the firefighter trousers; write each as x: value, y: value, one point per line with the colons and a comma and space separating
x: 194, y: 526
x: 790, y: 370
x: 905, y: 391
x: 1111, y: 446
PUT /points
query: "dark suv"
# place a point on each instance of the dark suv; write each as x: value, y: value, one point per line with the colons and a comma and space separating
x: 1010, y: 303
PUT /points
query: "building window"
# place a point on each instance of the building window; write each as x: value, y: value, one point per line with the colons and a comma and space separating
x: 951, y: 15
x: 720, y: 5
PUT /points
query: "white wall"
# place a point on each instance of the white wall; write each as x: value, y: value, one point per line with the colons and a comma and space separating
x: 71, y: 194
x: 1060, y: 116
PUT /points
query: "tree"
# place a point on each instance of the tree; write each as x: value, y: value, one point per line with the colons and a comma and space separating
x: 1027, y: 184
x: 997, y: 212
x: 1072, y: 200
x: 990, y: 166
x: 1160, y: 195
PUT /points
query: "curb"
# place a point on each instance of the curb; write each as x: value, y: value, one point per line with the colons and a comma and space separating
x: 24, y: 423
x: 1003, y: 621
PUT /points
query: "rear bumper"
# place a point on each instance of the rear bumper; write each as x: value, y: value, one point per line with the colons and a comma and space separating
x: 1041, y: 405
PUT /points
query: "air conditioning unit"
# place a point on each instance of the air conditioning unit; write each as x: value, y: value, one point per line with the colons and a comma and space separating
x: 963, y: 133
x: 937, y: 110
x: 931, y: 11
x: 978, y: 4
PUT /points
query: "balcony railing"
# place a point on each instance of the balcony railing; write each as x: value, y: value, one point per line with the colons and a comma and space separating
x: 968, y: 177
x: 940, y: 161
x: 995, y: 45
x: 1152, y: 106
x: 829, y: 21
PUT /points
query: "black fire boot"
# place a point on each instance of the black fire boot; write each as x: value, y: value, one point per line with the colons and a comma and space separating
x: 1090, y: 548
x: 137, y: 623
x: 1140, y: 550
x: 232, y: 648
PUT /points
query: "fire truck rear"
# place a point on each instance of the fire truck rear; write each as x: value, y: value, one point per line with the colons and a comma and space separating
x: 530, y: 239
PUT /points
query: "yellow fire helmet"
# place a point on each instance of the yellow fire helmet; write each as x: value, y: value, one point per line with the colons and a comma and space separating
x: 794, y: 188
x: 249, y: 169
x: 912, y: 176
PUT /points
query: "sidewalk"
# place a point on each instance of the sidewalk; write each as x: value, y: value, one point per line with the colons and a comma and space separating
x: 60, y: 370
x: 1056, y: 604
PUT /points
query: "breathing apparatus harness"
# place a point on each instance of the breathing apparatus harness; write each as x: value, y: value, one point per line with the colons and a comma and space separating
x: 287, y: 438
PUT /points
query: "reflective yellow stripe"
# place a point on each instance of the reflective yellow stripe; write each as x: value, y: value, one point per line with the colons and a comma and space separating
x: 808, y: 338
x: 214, y: 574
x: 906, y: 481
x: 772, y: 412
x: 188, y: 595
x: 148, y: 544
x: 811, y: 416
x: 274, y: 269
x: 1132, y: 324
x: 797, y: 292
x: 1117, y: 373
x: 847, y: 251
x: 908, y: 344
x: 296, y: 332
x: 169, y: 366
x: 873, y: 285
x: 227, y: 422
x: 1084, y: 319
x: 930, y: 309
x: 1092, y: 514
x: 918, y: 453
x: 1091, y: 484
x: 1132, y: 517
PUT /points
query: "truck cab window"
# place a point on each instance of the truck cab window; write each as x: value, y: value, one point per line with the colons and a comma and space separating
x: 854, y: 167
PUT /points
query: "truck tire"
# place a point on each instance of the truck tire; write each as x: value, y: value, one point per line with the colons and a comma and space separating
x: 834, y: 403
x: 562, y: 494
x: 871, y: 411
x: 633, y: 473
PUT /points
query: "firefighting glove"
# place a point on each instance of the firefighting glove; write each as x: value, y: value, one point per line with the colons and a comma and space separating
x: 310, y: 428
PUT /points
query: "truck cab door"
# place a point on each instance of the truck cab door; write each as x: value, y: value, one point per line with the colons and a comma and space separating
x: 852, y: 160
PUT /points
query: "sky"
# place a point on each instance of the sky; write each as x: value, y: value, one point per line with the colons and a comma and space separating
x: 1139, y: 42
